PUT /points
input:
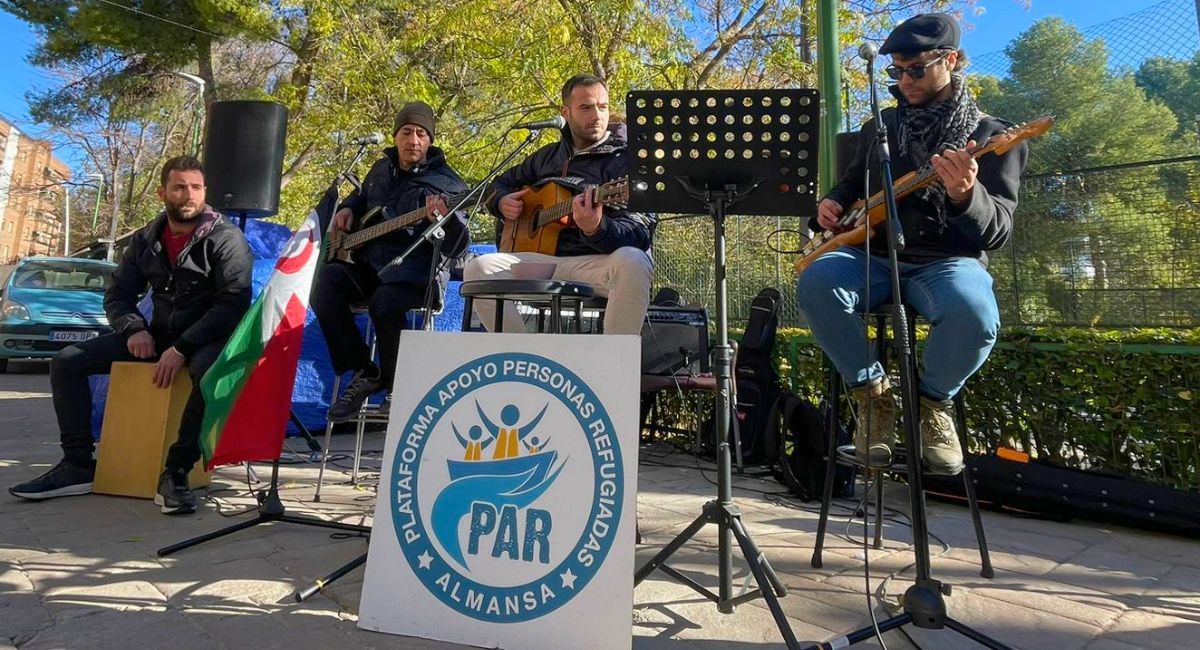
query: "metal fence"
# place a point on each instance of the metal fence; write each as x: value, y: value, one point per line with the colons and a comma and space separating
x: 1114, y: 244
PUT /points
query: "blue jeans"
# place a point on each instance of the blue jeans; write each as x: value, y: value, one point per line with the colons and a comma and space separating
x: 953, y: 294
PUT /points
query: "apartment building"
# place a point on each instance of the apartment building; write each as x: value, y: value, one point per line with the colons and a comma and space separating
x: 32, y: 197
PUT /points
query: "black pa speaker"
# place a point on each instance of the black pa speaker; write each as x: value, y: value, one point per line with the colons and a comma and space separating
x: 675, y: 341
x: 243, y: 157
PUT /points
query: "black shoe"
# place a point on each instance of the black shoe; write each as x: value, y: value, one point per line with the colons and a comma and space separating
x: 174, y: 496
x: 361, y: 387
x: 63, y: 480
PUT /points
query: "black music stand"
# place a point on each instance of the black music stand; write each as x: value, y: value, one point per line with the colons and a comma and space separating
x: 711, y: 150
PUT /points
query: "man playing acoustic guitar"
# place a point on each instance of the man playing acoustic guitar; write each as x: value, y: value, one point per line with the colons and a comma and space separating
x: 601, y: 245
x: 947, y: 227
x: 411, y: 176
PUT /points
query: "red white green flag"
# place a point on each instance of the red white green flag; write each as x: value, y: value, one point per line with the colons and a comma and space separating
x: 248, y: 390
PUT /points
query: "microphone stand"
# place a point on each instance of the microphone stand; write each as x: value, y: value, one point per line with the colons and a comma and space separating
x: 924, y: 603
x: 436, y: 232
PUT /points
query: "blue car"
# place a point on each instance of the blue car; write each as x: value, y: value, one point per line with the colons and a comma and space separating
x: 48, y: 303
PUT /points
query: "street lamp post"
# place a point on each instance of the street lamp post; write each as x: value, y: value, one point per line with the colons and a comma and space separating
x: 116, y: 213
x: 198, y: 110
x: 66, y: 220
x: 99, y: 194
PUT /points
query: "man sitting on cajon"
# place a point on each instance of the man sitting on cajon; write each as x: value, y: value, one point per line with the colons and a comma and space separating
x: 198, y: 265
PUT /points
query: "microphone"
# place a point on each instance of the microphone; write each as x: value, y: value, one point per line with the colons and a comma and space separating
x: 556, y: 122
x: 370, y: 138
x: 868, y: 51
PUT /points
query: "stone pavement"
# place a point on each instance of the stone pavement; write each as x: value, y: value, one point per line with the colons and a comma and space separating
x: 82, y: 572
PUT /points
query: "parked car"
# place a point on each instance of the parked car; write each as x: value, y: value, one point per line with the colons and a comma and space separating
x: 48, y: 303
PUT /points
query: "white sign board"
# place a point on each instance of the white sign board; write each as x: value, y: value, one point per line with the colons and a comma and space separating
x: 507, y: 500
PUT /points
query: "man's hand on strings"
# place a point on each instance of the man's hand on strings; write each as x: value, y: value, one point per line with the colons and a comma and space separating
x: 586, y: 214
x: 511, y: 205
x: 341, y: 220
x: 435, y: 206
x: 828, y: 213
x: 957, y: 169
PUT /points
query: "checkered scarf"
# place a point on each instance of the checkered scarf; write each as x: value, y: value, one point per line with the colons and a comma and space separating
x: 933, y: 127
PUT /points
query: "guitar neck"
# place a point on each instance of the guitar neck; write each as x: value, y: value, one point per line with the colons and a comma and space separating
x: 405, y: 220
x: 904, y: 187
x: 611, y: 192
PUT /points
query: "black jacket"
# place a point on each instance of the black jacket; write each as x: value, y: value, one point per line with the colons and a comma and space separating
x: 197, y: 302
x: 984, y: 224
x: 400, y: 192
x: 595, y: 166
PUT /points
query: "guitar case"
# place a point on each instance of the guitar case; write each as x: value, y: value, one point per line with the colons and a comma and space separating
x: 1064, y: 493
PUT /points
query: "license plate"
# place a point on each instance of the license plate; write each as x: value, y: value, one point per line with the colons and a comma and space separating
x: 73, y: 336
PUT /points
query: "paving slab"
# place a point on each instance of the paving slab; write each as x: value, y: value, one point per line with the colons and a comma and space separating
x: 84, y: 573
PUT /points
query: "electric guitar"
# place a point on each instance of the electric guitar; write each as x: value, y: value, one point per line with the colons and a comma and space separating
x: 342, y: 244
x: 548, y: 210
x: 866, y: 215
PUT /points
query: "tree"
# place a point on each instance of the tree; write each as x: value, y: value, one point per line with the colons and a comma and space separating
x: 1101, y: 117
x: 1175, y: 83
x: 1084, y: 237
x: 346, y: 68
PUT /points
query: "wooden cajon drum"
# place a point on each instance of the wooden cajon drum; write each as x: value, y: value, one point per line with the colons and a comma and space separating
x: 141, y: 422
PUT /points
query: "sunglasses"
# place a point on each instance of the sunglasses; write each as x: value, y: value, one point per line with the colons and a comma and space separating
x: 915, y: 71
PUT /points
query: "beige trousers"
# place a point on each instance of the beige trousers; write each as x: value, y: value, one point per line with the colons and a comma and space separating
x: 622, y: 276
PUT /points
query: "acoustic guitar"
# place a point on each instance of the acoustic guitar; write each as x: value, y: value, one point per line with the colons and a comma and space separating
x: 548, y: 210
x: 865, y: 215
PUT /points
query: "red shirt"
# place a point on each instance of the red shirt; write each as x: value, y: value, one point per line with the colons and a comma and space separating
x: 174, y: 243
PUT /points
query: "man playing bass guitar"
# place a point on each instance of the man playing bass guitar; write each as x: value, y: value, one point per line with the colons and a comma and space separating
x: 947, y: 227
x: 412, y: 175
x: 601, y: 245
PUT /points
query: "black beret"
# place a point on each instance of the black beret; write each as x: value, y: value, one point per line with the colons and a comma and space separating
x: 922, y: 33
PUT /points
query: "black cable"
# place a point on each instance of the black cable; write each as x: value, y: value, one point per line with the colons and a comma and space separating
x: 188, y: 27
x: 783, y: 251
x: 867, y: 560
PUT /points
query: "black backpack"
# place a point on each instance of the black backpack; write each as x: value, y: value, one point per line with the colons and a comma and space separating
x: 756, y: 382
x: 803, y: 447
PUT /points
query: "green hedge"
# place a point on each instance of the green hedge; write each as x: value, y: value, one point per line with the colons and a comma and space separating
x: 1120, y: 401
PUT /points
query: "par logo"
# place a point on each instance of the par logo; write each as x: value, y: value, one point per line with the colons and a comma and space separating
x: 507, y: 487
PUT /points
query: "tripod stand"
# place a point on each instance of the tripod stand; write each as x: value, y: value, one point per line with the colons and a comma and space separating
x: 924, y: 603
x: 682, y: 136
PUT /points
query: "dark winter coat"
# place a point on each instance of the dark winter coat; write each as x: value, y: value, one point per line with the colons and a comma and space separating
x: 399, y: 192
x: 595, y: 166
x: 197, y: 301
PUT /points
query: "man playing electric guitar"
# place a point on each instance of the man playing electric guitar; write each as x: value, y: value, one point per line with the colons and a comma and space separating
x: 947, y: 227
x: 601, y: 245
x: 411, y: 175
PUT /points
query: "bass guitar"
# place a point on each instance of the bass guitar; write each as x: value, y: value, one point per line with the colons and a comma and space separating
x: 865, y: 215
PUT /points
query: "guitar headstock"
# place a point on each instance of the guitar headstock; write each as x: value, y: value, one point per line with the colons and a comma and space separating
x: 1009, y: 138
x: 614, y: 193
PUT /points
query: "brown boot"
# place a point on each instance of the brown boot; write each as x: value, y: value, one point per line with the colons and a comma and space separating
x: 873, y: 445
x: 939, y: 438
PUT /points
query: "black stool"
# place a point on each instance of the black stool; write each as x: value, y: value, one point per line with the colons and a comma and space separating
x: 881, y: 315
x: 544, y: 294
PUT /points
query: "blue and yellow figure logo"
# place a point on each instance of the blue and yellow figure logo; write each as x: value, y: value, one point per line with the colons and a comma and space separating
x: 495, y: 504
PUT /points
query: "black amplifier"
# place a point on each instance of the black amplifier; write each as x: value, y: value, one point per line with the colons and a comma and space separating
x: 675, y: 341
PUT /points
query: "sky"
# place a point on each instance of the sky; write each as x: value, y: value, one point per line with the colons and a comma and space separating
x: 999, y: 21
x: 993, y: 23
